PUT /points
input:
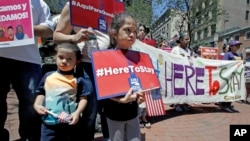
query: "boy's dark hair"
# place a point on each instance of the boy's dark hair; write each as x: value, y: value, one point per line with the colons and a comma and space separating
x: 72, y: 47
x: 116, y: 24
x: 10, y: 27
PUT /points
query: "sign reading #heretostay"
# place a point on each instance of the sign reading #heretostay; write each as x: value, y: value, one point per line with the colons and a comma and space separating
x: 94, y: 13
x: 116, y: 71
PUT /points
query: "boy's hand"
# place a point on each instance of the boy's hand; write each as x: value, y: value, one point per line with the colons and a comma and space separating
x: 41, y: 110
x: 74, y: 117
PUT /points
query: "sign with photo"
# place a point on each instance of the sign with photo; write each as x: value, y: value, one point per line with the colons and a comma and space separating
x: 16, y: 24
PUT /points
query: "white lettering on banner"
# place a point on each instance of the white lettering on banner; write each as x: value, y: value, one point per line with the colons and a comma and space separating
x: 13, y: 17
x: 13, y: 7
x: 24, y: 6
x: 115, y: 71
x: 91, y: 8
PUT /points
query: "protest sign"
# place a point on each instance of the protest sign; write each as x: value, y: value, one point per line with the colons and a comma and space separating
x: 116, y: 71
x: 16, y: 24
x: 209, y: 53
x: 95, y: 13
x: 191, y: 80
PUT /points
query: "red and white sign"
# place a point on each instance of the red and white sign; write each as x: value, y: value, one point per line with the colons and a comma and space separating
x: 209, y: 53
x: 95, y: 13
x: 116, y: 71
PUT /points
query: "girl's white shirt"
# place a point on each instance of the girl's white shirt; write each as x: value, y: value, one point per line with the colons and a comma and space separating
x: 102, y: 40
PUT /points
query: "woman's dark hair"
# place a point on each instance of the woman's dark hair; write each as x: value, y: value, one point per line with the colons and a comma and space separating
x: 147, y: 30
x: 116, y: 24
x: 181, y: 37
x: 70, y: 46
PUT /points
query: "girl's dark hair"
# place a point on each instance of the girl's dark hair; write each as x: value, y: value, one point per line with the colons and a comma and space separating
x: 117, y: 22
x: 70, y: 46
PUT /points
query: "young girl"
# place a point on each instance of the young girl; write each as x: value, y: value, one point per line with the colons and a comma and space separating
x: 60, y: 91
x: 122, y: 112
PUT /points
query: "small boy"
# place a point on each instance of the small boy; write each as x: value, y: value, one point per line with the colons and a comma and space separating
x: 60, y: 92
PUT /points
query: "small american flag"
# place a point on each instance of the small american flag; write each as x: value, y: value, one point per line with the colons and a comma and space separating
x: 63, y: 116
x: 154, y: 103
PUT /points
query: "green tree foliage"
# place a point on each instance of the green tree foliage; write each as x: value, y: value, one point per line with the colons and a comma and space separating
x: 196, y: 14
x: 141, y: 10
x: 56, y: 5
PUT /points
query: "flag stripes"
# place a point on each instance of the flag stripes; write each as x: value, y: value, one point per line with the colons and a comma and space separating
x: 63, y: 117
x: 154, y: 103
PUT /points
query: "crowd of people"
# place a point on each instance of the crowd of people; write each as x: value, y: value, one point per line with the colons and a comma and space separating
x: 62, y: 104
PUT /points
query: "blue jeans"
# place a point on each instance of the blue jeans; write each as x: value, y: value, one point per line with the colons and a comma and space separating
x: 89, y: 114
x: 24, y: 78
x: 61, y: 132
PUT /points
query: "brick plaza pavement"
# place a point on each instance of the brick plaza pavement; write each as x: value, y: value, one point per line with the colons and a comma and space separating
x: 206, y: 122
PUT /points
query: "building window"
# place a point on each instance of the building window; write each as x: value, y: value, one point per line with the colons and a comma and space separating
x: 237, y: 37
x: 247, y: 13
x: 192, y: 37
x: 198, y: 35
x: 205, y: 33
x: 248, y: 35
x: 213, y: 29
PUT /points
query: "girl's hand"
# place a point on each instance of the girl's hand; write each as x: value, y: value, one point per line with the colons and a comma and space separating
x: 129, y: 97
x: 140, y: 97
x: 41, y: 110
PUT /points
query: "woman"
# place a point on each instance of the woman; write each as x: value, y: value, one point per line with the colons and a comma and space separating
x: 232, y: 54
x: 182, y: 49
x: 20, y: 33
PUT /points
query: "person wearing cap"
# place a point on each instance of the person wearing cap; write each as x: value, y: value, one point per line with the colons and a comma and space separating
x: 232, y: 54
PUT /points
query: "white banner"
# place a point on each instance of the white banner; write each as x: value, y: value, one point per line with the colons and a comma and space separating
x: 191, y: 80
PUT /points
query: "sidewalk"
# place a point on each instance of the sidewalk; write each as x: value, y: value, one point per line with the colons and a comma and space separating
x: 206, y: 122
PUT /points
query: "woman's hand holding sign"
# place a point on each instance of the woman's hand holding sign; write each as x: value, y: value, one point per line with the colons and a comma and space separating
x: 82, y: 35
